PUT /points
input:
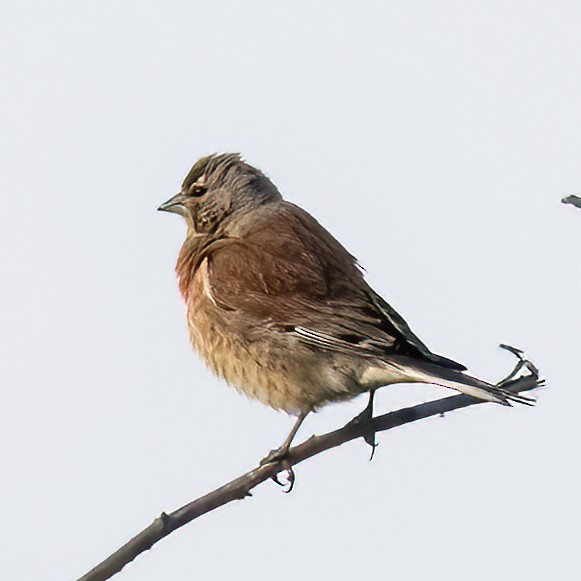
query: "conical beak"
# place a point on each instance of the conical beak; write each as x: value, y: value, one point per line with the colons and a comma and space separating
x: 174, y: 204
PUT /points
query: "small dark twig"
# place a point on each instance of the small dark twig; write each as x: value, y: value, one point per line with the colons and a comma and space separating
x: 240, y: 487
x: 522, y: 362
x: 572, y: 199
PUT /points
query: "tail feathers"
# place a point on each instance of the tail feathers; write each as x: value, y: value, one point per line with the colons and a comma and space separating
x: 426, y: 372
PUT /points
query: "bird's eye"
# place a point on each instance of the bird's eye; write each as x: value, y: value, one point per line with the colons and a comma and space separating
x: 197, y: 190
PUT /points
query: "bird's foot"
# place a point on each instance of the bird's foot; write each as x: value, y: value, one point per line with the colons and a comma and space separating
x: 282, y: 452
x: 365, y: 418
x: 279, y: 456
x: 290, y: 479
x: 276, y: 455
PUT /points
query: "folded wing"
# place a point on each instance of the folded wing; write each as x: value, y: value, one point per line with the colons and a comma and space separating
x: 291, y: 274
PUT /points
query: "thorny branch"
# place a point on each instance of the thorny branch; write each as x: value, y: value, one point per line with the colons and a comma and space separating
x: 240, y: 487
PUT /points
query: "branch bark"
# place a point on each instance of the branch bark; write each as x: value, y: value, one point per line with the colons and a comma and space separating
x: 240, y: 487
x: 573, y: 200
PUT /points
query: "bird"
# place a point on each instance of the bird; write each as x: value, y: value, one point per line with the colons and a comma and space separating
x: 278, y: 308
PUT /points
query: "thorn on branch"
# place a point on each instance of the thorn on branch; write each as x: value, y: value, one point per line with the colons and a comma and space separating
x: 164, y: 518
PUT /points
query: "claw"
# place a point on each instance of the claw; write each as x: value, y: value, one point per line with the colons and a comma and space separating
x: 275, y: 456
x: 276, y: 480
x: 291, y: 479
x: 279, y: 456
x: 366, y: 417
x: 370, y: 439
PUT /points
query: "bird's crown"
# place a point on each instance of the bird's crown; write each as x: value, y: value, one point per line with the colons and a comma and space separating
x: 220, y: 189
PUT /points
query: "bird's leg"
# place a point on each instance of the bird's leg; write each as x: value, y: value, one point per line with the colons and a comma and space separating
x: 280, y: 453
x: 366, y: 416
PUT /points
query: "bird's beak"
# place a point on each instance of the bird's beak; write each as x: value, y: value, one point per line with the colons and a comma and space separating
x: 174, y: 204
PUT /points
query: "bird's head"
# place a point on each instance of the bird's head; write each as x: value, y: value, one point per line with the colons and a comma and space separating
x: 218, y: 192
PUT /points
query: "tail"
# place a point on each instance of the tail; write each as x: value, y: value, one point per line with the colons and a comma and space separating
x: 427, y: 372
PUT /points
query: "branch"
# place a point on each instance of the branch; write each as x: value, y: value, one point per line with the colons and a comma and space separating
x: 240, y: 487
x: 573, y: 200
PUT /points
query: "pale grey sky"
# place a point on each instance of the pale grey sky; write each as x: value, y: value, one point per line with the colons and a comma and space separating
x: 434, y: 139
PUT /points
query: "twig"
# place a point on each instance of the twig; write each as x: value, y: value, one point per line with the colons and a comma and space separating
x: 240, y: 487
x: 572, y: 199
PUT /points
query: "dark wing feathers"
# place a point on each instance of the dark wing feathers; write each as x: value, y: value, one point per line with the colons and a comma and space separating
x: 399, y: 323
x: 287, y: 271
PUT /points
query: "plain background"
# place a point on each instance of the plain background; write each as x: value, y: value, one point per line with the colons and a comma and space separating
x: 434, y: 139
